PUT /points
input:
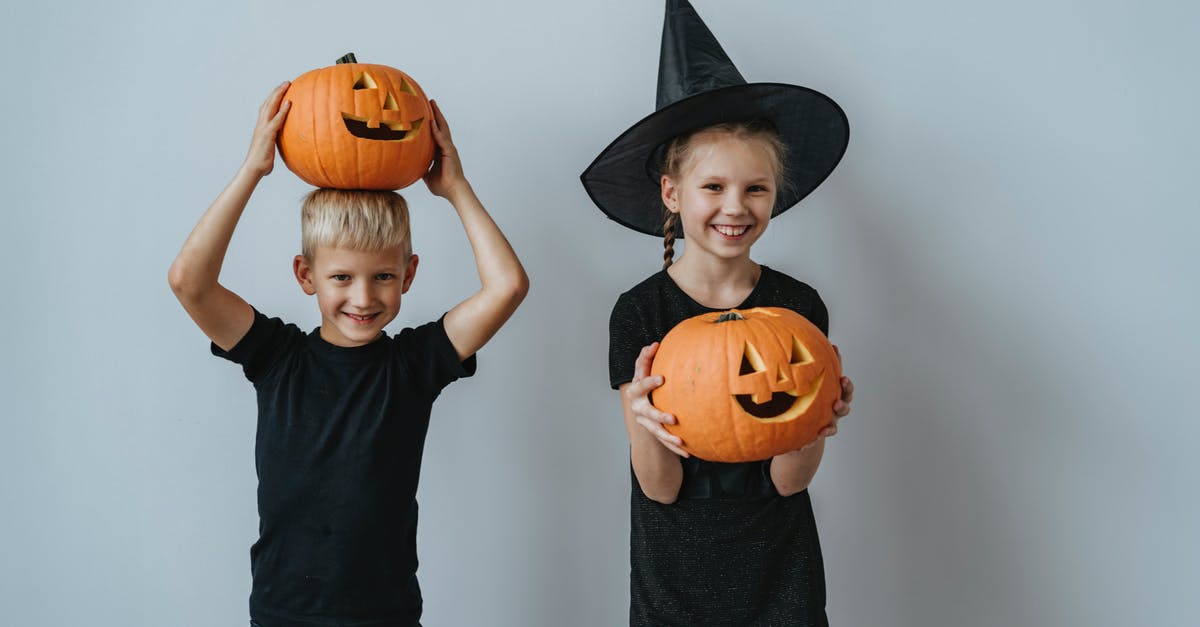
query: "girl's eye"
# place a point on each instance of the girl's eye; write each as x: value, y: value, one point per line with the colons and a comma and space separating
x: 713, y: 187
x: 758, y: 188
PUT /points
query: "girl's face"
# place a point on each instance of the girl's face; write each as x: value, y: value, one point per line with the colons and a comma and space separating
x: 723, y: 195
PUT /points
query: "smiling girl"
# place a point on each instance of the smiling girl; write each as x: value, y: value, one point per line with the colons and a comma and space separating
x: 714, y: 543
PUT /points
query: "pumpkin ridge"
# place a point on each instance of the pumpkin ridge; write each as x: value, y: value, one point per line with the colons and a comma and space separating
x: 317, y: 154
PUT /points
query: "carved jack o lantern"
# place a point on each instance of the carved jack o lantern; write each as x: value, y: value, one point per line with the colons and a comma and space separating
x: 746, y: 385
x: 357, y: 126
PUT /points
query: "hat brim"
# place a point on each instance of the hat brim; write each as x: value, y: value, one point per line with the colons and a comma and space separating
x: 624, y: 180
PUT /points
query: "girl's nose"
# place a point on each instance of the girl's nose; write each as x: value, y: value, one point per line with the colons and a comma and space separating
x: 735, y: 204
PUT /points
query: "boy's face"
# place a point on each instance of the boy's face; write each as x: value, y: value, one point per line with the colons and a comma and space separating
x: 358, y: 291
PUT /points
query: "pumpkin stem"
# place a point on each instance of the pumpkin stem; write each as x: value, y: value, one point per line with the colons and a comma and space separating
x: 347, y: 58
x: 730, y: 315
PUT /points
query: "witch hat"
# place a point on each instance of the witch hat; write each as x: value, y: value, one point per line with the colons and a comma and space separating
x: 699, y: 86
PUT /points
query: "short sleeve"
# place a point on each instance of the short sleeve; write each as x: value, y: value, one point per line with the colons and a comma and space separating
x: 430, y: 357
x: 820, y: 315
x: 263, y: 346
x: 627, y: 336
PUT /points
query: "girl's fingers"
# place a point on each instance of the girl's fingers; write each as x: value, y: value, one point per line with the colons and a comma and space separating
x: 641, y: 406
x: 657, y: 416
x: 657, y: 431
x: 675, y: 449
x: 641, y: 367
x: 640, y: 388
x: 847, y: 389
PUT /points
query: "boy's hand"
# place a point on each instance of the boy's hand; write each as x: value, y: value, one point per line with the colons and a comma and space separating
x: 446, y: 174
x: 260, y: 160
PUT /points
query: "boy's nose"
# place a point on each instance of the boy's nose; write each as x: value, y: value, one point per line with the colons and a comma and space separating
x: 361, y: 295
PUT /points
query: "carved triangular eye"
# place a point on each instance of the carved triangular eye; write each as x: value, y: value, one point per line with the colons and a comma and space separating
x: 406, y: 87
x: 800, y: 355
x: 364, y: 81
x: 752, y: 362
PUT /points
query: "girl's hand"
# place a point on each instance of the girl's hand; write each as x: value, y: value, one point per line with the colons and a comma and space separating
x: 447, y: 173
x: 261, y: 158
x: 646, y: 415
x: 841, y: 407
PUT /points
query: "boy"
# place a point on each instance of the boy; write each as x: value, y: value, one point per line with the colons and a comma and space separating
x: 343, y: 411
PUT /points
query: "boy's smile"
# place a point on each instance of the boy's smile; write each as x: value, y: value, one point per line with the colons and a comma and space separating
x: 358, y: 291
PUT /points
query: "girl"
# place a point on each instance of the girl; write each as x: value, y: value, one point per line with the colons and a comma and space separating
x: 714, y: 543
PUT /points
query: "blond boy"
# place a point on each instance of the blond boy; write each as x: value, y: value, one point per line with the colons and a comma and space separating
x: 343, y: 411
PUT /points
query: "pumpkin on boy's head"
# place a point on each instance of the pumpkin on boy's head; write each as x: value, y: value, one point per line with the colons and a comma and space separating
x: 357, y: 126
x: 746, y: 385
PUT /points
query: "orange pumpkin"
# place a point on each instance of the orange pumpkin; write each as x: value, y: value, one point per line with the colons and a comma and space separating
x: 746, y: 385
x: 357, y: 126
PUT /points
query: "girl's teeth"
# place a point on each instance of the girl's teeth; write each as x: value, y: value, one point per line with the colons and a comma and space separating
x: 732, y: 230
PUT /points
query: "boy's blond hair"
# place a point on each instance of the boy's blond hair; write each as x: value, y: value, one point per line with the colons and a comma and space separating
x: 353, y: 219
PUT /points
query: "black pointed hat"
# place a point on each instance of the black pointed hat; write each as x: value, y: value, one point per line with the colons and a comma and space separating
x: 699, y: 86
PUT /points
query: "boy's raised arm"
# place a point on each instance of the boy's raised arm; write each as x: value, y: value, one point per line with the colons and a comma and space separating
x: 474, y: 321
x: 222, y: 315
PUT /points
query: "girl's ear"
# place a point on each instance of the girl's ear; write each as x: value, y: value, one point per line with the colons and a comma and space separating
x: 303, y: 271
x: 410, y: 272
x: 670, y: 194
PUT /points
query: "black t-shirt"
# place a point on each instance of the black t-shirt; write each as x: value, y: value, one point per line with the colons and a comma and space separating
x: 730, y: 550
x: 338, y: 456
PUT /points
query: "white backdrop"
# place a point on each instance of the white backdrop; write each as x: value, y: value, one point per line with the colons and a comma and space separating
x: 1007, y: 252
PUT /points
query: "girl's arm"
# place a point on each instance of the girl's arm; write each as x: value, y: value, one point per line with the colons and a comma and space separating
x: 653, y: 452
x: 222, y: 315
x: 792, y: 472
x: 474, y: 321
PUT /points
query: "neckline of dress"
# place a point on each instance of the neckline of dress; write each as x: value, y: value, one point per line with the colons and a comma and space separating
x: 762, y: 273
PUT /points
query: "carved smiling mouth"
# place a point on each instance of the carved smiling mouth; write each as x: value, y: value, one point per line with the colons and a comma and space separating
x: 386, y: 131
x: 782, y: 406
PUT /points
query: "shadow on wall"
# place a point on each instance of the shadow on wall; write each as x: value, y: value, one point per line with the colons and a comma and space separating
x: 953, y: 404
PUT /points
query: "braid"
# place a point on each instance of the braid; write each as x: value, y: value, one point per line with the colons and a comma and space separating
x: 669, y: 239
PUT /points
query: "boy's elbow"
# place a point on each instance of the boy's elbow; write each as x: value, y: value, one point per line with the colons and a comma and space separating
x: 513, y: 291
x: 177, y: 278
x: 184, y: 282
x: 520, y: 288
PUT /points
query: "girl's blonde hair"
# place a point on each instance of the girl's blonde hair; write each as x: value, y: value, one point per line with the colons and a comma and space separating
x: 353, y: 219
x: 679, y: 151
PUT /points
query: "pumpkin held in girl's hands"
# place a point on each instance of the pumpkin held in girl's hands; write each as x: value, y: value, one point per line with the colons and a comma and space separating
x: 357, y: 126
x: 746, y: 385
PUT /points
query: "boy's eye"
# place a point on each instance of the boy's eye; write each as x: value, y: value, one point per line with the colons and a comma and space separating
x: 713, y: 187
x: 340, y: 277
x: 384, y: 276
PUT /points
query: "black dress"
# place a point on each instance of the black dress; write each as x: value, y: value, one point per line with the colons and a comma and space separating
x: 730, y: 550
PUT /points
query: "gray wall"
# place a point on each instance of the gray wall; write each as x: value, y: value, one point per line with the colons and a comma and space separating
x: 1006, y: 251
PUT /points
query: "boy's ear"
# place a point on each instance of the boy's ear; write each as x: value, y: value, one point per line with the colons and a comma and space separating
x: 303, y: 271
x: 670, y: 194
x: 410, y: 272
